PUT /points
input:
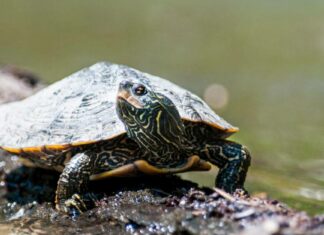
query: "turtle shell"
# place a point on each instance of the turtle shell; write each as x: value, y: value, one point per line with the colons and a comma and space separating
x: 81, y: 109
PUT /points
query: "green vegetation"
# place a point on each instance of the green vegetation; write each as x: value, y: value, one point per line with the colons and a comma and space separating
x: 269, y: 54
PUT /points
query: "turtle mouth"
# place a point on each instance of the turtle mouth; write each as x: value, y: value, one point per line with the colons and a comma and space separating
x: 125, y: 96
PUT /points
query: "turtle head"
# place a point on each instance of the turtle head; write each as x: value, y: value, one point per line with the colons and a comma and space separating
x: 150, y: 118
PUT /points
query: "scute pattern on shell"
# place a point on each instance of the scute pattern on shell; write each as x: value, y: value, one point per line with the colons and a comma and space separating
x: 82, y: 107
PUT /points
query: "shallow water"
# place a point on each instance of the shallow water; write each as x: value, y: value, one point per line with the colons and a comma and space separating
x: 268, y: 55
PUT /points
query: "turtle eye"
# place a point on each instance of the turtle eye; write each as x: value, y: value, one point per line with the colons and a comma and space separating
x: 139, y: 90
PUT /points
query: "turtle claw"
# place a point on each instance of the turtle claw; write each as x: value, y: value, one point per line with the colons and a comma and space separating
x: 73, y: 206
x: 76, y: 202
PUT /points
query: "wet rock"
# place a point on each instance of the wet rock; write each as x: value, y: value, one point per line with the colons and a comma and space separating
x: 145, y: 205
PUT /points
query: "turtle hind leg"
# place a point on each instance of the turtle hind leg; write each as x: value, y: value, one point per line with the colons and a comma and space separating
x: 73, y: 181
x: 233, y: 161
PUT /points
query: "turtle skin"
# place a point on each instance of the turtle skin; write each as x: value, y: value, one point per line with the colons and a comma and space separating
x: 97, y: 124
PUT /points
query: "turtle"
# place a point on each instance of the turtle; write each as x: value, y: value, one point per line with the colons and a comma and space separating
x: 110, y: 120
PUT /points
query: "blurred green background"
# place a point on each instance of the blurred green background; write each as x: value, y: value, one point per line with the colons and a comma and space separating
x: 268, y: 54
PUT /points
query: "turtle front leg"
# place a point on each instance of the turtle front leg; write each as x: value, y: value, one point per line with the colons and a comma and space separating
x: 233, y: 161
x: 74, y: 181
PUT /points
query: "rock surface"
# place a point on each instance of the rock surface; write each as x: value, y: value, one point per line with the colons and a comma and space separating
x: 145, y: 205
